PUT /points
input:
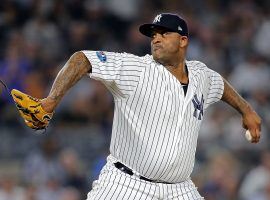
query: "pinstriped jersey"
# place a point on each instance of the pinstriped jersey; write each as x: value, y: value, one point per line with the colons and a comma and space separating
x: 155, y: 125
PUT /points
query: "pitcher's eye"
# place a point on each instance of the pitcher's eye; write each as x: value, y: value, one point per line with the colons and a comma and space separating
x: 153, y: 35
x: 166, y: 33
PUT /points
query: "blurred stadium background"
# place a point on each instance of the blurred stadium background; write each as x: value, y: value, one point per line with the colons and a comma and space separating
x: 38, y: 36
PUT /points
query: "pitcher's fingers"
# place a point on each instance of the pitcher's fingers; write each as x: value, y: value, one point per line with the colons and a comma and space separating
x: 255, y: 135
x: 258, y: 134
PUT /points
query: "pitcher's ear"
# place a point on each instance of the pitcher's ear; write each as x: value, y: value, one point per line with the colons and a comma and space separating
x: 183, y: 41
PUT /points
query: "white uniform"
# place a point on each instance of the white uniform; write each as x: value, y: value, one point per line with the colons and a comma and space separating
x: 155, y: 126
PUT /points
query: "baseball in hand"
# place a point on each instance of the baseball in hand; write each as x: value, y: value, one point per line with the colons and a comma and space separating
x: 248, y: 136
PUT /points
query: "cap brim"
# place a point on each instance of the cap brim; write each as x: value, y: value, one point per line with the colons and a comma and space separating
x: 146, y: 29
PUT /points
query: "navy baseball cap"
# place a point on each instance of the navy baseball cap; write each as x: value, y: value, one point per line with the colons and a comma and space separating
x: 167, y: 21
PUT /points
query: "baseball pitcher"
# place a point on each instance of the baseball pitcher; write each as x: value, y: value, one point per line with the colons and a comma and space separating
x: 160, y: 101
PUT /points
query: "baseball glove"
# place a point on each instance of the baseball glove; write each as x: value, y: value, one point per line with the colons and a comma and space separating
x: 31, y: 111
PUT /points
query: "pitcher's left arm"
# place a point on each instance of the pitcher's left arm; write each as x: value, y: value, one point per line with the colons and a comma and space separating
x: 250, y: 119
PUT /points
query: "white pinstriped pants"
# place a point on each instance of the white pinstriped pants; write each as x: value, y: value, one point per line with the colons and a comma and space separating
x: 113, y: 184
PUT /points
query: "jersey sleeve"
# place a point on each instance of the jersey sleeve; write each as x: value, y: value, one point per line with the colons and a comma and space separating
x: 216, y: 87
x: 119, y: 72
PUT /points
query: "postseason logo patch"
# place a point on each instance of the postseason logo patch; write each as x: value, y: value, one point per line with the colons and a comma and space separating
x: 101, y: 56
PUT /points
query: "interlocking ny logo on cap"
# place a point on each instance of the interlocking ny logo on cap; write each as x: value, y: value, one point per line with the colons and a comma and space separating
x: 157, y: 18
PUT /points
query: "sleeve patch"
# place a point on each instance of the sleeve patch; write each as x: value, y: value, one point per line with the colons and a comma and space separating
x: 101, y: 56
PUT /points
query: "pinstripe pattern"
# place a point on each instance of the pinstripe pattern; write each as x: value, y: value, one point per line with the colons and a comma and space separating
x: 155, y: 127
x: 113, y: 184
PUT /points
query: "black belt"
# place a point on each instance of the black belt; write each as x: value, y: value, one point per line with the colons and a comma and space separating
x: 127, y: 170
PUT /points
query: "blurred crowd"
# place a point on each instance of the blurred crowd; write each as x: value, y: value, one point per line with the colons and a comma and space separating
x: 38, y: 36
